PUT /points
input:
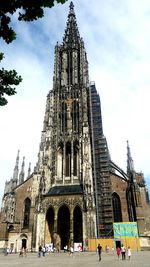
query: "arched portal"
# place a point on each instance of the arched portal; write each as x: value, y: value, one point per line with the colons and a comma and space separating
x: 116, y: 207
x: 64, y: 225
x: 23, y: 241
x: 49, y: 228
x: 77, y: 227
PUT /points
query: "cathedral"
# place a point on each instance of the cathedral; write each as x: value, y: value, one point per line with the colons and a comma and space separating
x: 76, y: 192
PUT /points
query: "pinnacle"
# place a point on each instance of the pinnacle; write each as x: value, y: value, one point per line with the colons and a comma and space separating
x: 71, y: 7
x: 71, y: 33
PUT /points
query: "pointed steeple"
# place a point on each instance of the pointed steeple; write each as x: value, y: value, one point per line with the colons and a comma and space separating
x: 22, y: 173
x: 16, y: 171
x: 130, y: 165
x: 29, y: 169
x: 72, y: 36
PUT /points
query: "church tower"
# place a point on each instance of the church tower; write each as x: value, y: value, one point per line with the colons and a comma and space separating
x: 65, y: 157
x: 76, y: 191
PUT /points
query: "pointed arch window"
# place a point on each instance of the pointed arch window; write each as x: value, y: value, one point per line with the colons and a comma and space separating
x: 27, y: 206
x: 116, y: 207
x: 63, y: 116
x: 75, y: 116
x: 75, y: 158
x: 68, y: 159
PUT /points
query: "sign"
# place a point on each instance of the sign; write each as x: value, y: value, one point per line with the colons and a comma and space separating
x: 125, y: 229
x: 78, y: 247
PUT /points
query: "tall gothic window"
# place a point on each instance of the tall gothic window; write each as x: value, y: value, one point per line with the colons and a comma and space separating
x: 75, y: 159
x: 68, y: 160
x: 63, y: 116
x: 75, y: 116
x: 131, y: 204
x: 75, y: 163
x: 27, y: 205
x: 60, y: 161
x: 116, y: 207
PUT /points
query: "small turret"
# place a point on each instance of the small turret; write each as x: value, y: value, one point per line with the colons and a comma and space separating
x: 130, y: 165
x: 22, y: 173
x: 29, y: 169
x: 16, y: 172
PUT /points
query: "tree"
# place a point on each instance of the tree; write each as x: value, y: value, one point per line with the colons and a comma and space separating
x: 7, y: 80
x: 27, y: 10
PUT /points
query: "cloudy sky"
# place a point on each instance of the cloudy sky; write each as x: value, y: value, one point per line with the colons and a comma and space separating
x: 117, y: 41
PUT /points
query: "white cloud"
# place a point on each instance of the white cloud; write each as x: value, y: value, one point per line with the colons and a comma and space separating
x: 117, y: 40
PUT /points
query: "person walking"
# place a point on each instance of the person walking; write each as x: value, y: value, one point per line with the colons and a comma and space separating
x: 71, y: 251
x: 43, y: 251
x: 99, y: 249
x: 118, y: 250
x: 21, y: 252
x: 129, y: 252
x: 40, y: 251
x: 123, y: 252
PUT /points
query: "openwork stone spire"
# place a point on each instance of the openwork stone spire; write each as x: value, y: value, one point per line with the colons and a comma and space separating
x: 72, y: 35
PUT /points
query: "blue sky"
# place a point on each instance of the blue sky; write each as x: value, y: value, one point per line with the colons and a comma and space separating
x: 117, y: 41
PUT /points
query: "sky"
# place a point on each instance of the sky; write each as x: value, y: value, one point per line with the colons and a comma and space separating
x: 117, y: 41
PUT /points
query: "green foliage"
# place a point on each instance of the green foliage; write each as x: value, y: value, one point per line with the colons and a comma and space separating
x: 26, y: 10
x: 7, y: 79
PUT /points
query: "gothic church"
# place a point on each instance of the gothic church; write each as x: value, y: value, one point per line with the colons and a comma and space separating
x: 76, y: 191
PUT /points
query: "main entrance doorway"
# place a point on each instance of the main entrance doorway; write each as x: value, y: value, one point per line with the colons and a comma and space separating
x: 77, y: 226
x: 64, y: 226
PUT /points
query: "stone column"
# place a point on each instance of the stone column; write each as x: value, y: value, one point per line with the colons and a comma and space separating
x: 72, y: 150
x: 40, y: 230
x: 71, y: 229
x: 55, y: 228
x: 64, y: 162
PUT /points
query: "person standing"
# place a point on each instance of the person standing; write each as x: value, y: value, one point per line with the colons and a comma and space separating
x: 43, y: 251
x: 129, y: 252
x: 118, y: 250
x: 40, y: 251
x: 123, y: 252
x: 71, y: 251
x: 99, y: 249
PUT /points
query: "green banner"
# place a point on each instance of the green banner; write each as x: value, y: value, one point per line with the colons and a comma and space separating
x: 125, y: 229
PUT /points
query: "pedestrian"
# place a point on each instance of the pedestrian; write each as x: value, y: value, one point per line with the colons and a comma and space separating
x: 123, y: 252
x: 25, y: 252
x: 65, y: 248
x: 99, y: 249
x: 71, y: 251
x: 40, y: 251
x: 129, y: 252
x: 6, y: 251
x: 118, y: 250
x: 107, y: 249
x: 21, y: 252
x: 43, y: 251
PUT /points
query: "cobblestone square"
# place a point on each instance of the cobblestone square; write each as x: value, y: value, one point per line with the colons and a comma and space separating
x: 88, y: 259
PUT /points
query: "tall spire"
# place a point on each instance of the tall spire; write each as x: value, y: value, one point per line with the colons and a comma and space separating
x: 72, y: 35
x: 16, y: 169
x: 29, y: 169
x: 130, y: 165
x: 22, y: 173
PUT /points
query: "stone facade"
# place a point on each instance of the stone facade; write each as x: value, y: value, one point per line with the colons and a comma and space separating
x: 75, y: 192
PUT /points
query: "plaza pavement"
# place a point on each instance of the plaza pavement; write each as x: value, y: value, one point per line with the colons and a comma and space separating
x: 88, y: 259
